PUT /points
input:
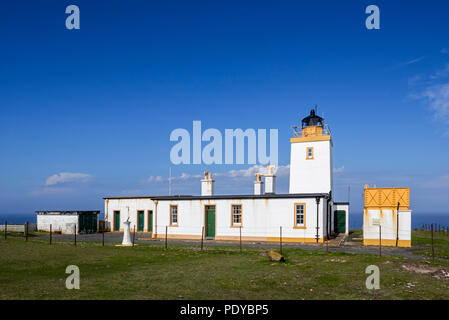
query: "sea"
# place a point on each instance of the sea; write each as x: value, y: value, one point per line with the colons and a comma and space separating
x: 355, y: 219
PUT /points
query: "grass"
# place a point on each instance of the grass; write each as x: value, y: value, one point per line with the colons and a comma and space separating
x: 422, y: 243
x: 36, y: 270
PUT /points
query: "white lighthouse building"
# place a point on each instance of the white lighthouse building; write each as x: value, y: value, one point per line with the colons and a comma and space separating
x: 308, y: 213
x: 311, y: 157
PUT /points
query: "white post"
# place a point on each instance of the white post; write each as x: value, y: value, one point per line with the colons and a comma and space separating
x: 126, y: 234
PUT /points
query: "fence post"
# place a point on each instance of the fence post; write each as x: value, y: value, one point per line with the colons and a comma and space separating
x: 280, y: 240
x: 202, y: 236
x: 102, y: 238
x: 433, y: 252
x: 6, y: 229
x: 50, y: 233
x: 327, y: 245
x: 134, y: 234
x: 240, y: 229
x: 26, y: 231
x: 75, y: 234
x: 380, y: 240
x: 166, y: 230
x: 397, y: 225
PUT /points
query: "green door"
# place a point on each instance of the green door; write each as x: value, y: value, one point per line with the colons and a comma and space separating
x: 340, y: 221
x: 94, y: 223
x: 150, y: 220
x: 81, y: 223
x: 141, y: 221
x: 210, y: 222
x: 86, y: 223
x: 117, y: 220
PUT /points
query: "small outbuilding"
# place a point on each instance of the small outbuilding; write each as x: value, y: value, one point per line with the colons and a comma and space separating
x: 387, y: 217
x: 67, y: 222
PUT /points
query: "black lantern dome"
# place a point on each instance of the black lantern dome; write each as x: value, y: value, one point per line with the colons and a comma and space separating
x: 312, y: 120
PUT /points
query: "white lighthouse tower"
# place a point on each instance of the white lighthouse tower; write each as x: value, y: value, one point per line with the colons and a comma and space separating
x: 311, y: 157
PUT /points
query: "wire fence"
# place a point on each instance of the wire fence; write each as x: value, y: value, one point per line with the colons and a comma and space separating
x: 432, y: 240
x: 429, y: 239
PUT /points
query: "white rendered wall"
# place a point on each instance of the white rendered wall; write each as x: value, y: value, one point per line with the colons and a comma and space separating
x: 128, y: 207
x: 207, y: 187
x: 64, y: 222
x: 388, y: 221
x: 311, y: 175
x: 270, y: 184
x: 344, y: 207
x: 258, y: 188
x: 261, y: 218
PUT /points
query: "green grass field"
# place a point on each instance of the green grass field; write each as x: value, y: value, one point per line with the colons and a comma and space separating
x: 36, y: 270
x: 421, y: 241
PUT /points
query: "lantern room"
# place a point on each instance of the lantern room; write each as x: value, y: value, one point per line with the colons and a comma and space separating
x: 313, y: 125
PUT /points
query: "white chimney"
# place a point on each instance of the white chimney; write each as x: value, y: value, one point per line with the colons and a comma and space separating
x: 207, y: 185
x: 270, y: 180
x: 258, y: 184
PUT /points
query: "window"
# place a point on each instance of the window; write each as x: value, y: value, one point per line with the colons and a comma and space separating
x: 173, y: 215
x: 300, y: 215
x: 236, y: 211
x: 309, y: 153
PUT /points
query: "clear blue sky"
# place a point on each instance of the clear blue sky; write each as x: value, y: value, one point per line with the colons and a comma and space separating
x: 98, y: 104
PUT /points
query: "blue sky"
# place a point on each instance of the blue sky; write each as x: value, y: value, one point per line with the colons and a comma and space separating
x: 88, y: 113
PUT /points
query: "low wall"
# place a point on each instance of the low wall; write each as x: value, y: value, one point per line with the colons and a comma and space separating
x: 18, y: 227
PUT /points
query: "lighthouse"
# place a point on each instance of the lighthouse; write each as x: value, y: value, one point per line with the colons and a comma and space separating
x: 311, y: 157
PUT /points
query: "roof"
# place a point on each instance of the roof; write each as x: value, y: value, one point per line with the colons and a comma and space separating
x: 223, y: 197
x: 312, y: 120
x: 65, y: 212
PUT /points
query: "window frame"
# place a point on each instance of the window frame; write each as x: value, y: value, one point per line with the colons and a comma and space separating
x: 171, y: 215
x: 295, y: 225
x: 236, y: 224
x: 307, y: 153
